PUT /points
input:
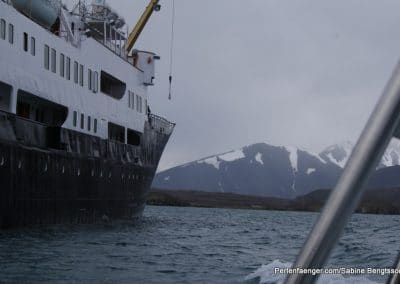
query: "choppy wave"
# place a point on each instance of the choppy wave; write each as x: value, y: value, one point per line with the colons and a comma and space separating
x: 267, y: 276
x: 179, y: 245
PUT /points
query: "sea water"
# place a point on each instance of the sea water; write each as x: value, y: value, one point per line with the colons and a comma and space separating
x: 191, y: 245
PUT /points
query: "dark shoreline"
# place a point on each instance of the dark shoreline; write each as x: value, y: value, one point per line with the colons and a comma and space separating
x: 378, y: 201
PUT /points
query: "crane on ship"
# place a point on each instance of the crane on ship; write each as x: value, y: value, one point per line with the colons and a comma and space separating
x: 137, y: 30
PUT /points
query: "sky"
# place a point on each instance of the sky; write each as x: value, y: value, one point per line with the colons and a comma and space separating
x: 305, y: 73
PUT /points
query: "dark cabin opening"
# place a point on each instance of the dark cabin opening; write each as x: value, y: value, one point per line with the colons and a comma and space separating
x: 133, y: 137
x: 41, y: 110
x: 112, y: 86
x: 5, y: 96
x: 55, y: 28
x: 25, y: 42
x: 116, y: 132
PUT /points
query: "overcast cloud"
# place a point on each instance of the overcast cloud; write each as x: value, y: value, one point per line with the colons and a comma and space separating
x: 287, y: 72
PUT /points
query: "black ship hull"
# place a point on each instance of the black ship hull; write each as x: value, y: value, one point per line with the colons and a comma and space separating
x: 51, y: 175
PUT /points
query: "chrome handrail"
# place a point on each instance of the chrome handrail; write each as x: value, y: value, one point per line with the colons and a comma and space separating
x: 343, y: 200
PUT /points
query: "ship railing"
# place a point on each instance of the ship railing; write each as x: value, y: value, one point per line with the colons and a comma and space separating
x: 116, y: 46
x: 161, y: 124
x: 105, y: 27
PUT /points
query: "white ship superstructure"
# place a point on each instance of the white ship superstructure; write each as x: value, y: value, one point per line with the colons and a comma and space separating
x: 81, y: 66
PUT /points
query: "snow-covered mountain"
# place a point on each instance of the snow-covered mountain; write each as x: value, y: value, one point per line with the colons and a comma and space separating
x: 258, y: 169
x: 276, y: 171
x: 340, y: 153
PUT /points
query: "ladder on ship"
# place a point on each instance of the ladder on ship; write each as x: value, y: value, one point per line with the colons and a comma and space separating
x: 382, y: 126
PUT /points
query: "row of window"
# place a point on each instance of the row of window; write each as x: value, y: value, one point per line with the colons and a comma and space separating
x: 3, y: 31
x: 138, y: 102
x: 91, y: 124
x: 25, y: 41
x: 50, y: 63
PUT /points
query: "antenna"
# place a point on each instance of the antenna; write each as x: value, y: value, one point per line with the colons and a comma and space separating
x: 171, y: 51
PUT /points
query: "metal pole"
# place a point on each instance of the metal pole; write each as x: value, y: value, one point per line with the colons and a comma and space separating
x: 345, y: 197
x: 105, y: 32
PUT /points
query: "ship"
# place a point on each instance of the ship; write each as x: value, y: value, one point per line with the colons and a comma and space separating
x: 78, y: 142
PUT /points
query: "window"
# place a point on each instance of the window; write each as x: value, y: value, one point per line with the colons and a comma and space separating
x: 39, y: 115
x: 112, y: 86
x: 41, y: 110
x: 133, y: 137
x: 139, y: 104
x: 95, y: 125
x: 53, y: 60
x: 3, y: 29
x: 62, y: 63
x: 76, y: 67
x: 131, y: 98
x: 75, y: 118
x: 96, y: 82
x: 68, y: 69
x: 33, y: 46
x: 116, y: 132
x: 82, y: 121
x: 89, y: 79
x: 10, y: 33
x: 89, y: 123
x: 46, y: 57
x: 25, y: 42
x: 81, y: 75
x: 145, y: 106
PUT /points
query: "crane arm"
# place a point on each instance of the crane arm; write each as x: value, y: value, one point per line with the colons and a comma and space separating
x: 134, y: 35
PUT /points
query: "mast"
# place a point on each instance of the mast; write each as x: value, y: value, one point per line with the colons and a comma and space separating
x: 134, y: 35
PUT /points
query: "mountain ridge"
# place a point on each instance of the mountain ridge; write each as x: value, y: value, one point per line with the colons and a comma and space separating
x: 274, y: 171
